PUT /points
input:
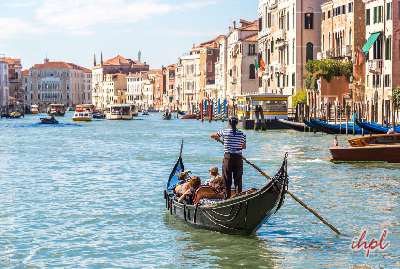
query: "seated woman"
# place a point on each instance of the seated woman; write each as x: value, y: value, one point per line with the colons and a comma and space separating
x: 188, y: 188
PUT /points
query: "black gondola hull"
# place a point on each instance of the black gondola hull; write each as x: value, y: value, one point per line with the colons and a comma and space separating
x: 241, y: 215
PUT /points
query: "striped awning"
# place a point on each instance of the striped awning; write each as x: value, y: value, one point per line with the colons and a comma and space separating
x: 371, y: 40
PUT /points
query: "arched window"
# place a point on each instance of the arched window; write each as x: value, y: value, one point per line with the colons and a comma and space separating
x: 309, y: 52
x: 252, y: 71
x: 329, y: 41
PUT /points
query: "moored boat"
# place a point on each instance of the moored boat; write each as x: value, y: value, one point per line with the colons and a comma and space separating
x: 119, y: 112
x: 376, y: 128
x: 373, y: 153
x: 298, y: 126
x: 56, y: 110
x: 375, y: 140
x: 34, y: 109
x: 189, y: 117
x: 343, y: 128
x: 242, y: 215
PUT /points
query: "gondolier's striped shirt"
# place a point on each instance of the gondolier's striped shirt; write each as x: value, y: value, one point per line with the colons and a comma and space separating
x: 233, y: 141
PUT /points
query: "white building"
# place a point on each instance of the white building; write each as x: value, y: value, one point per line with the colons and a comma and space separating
x: 289, y: 36
x: 188, y: 81
x: 221, y: 73
x: 58, y: 82
x: 242, y: 47
x: 382, y: 49
x: 4, y: 90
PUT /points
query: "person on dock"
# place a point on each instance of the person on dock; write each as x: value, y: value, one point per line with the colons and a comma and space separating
x: 234, y: 142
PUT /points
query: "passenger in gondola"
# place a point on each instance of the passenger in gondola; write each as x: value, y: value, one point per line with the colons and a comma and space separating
x: 187, y: 190
x: 216, y: 181
x: 232, y: 167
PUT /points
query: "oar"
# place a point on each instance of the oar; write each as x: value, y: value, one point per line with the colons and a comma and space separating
x: 292, y: 195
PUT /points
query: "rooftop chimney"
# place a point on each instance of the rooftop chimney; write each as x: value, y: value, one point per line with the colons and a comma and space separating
x: 46, y: 60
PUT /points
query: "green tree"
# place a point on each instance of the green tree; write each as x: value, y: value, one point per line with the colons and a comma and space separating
x: 299, y: 97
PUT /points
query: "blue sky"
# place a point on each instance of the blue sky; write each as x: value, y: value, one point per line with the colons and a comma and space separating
x: 72, y: 30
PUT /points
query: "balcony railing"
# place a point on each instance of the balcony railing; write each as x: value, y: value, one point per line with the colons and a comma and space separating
x: 348, y: 50
x: 375, y: 66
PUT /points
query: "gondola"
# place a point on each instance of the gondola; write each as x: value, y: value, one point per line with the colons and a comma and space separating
x: 298, y: 126
x: 375, y: 127
x: 337, y: 128
x: 241, y: 215
x: 167, y: 116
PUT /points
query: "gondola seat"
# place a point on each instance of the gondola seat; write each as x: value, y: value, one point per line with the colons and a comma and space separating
x: 206, y: 192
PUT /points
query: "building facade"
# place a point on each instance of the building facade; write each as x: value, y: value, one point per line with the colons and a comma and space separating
x: 15, y: 91
x: 382, y: 50
x: 188, y: 81
x: 56, y: 82
x: 221, y: 73
x: 117, y: 65
x: 289, y: 36
x: 342, y: 37
x: 242, y: 48
x: 4, y: 91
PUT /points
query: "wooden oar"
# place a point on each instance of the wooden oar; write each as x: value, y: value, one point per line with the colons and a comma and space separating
x: 292, y: 195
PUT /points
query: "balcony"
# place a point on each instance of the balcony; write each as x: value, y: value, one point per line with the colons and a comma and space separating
x: 273, y: 4
x: 280, y: 35
x: 375, y: 66
x: 348, y: 51
x: 329, y: 53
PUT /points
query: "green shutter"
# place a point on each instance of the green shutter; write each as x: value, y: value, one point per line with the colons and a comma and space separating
x: 371, y: 40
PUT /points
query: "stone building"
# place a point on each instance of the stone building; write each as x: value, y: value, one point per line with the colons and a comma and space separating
x: 170, y: 93
x: 57, y: 82
x: 140, y: 90
x: 15, y: 91
x: 242, y: 48
x: 221, y: 73
x: 289, y: 36
x: 382, y: 50
x: 188, y: 81
x: 342, y: 37
x: 4, y: 91
x: 27, y: 94
x: 117, y: 65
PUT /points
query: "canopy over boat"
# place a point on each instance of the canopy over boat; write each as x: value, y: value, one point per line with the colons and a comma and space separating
x: 243, y: 214
x: 375, y: 127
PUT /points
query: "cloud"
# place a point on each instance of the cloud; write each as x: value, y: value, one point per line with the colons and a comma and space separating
x: 15, y: 27
x: 78, y: 17
x: 82, y: 17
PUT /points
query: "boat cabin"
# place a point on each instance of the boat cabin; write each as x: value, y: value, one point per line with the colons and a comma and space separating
x: 267, y: 106
x: 119, y: 112
x: 56, y: 109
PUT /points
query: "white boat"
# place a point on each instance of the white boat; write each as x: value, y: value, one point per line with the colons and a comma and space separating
x: 34, y: 109
x: 83, y: 113
x: 82, y: 116
x: 119, y: 112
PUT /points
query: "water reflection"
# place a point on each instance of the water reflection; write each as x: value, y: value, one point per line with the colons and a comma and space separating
x: 221, y: 250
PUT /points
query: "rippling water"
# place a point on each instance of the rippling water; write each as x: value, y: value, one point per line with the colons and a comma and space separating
x: 90, y: 196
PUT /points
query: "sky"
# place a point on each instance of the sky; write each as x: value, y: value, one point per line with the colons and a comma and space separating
x: 73, y: 30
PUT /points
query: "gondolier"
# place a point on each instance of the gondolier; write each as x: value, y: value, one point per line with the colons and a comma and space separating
x: 232, y: 167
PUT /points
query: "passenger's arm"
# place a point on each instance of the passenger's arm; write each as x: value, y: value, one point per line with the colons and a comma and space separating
x: 183, y: 196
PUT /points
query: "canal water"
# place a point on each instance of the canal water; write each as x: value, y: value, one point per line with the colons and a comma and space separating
x: 91, y: 196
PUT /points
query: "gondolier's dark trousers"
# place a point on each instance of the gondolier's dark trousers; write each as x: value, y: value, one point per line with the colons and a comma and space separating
x: 232, y: 167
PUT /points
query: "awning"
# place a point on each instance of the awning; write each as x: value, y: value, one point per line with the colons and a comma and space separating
x: 371, y: 40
